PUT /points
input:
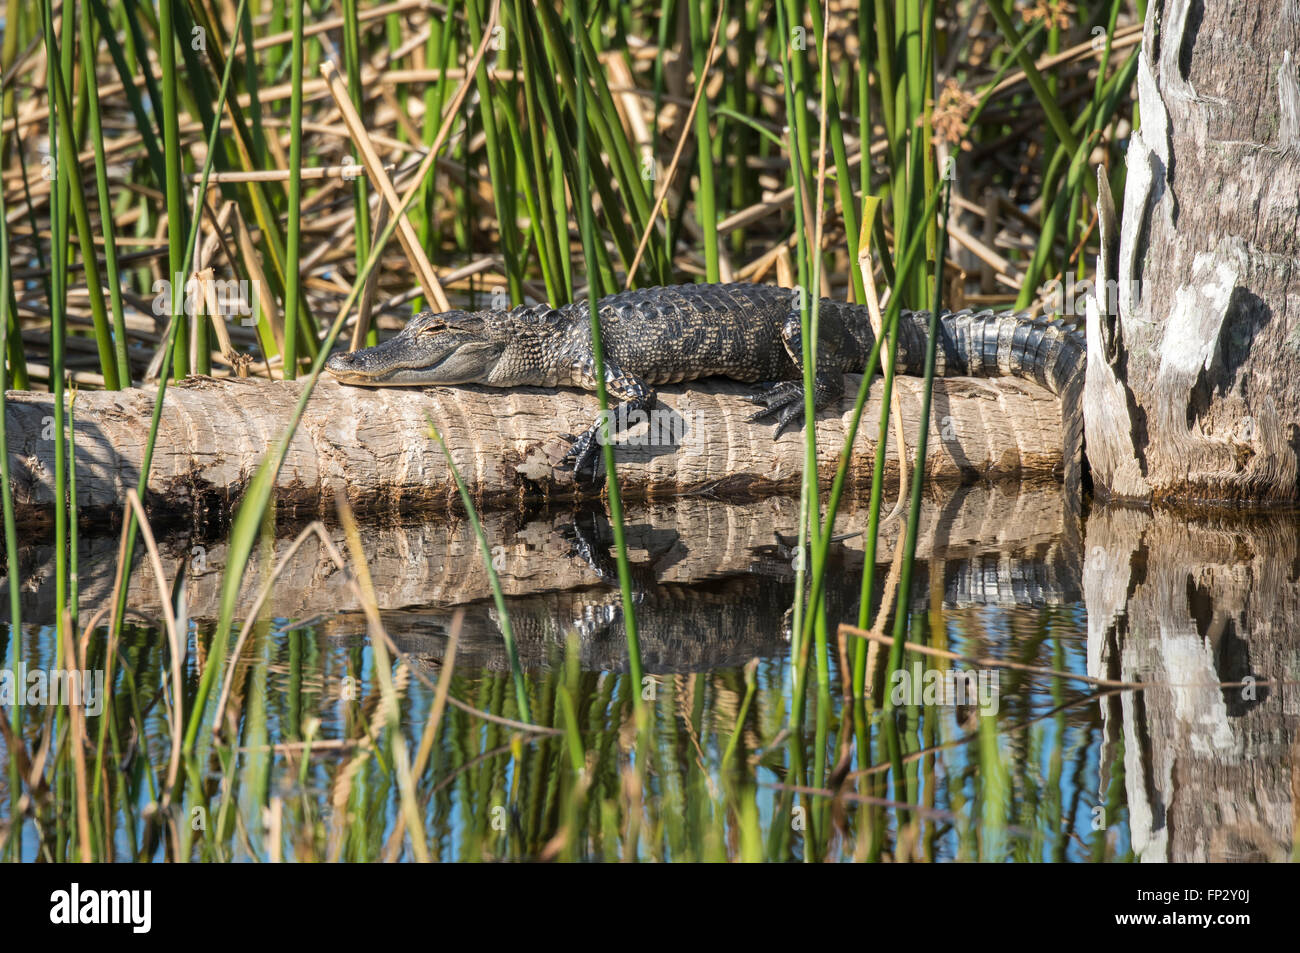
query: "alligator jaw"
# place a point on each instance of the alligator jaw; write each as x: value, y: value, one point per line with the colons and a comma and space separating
x: 355, y: 370
x: 420, y: 358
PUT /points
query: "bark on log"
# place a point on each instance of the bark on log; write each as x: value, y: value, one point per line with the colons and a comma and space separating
x: 373, y: 444
x: 1193, y: 381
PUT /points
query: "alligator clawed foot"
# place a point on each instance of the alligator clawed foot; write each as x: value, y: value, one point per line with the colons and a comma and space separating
x: 584, y: 459
x: 783, y: 400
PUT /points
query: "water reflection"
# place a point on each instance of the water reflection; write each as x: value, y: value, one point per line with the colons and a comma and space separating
x: 1011, y: 546
x: 1183, y: 605
x: 1184, y: 770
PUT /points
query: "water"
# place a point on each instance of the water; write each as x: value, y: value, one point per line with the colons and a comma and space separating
x: 1034, y: 767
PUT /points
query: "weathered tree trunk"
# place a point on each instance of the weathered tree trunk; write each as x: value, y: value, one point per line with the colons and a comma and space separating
x: 1193, y: 382
x: 374, y: 444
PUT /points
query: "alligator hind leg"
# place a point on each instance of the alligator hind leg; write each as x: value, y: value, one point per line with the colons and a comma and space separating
x: 634, y: 395
x: 784, y: 400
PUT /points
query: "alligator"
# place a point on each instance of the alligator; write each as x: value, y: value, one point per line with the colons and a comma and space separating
x: 747, y: 332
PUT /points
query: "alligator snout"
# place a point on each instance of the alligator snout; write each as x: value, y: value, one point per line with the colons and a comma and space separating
x: 342, y: 361
x: 347, y: 367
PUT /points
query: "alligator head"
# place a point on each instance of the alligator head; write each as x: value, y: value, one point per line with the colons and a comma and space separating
x: 454, y: 347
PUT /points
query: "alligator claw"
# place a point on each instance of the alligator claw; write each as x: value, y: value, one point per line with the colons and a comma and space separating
x: 783, y: 400
x: 791, y: 416
x: 585, y: 458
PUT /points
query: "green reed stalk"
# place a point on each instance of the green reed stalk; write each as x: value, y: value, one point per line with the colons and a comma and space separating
x: 292, y: 280
x: 485, y: 550
x: 8, y: 53
x: 843, y: 180
x: 1051, y: 110
x: 799, y: 180
x: 58, y: 251
x: 751, y: 687
x: 10, y: 528
x: 14, y: 351
x: 502, y: 193
x: 740, y: 143
x: 924, y: 144
x: 172, y: 184
x: 1076, y: 178
x: 126, y: 73
x: 706, y: 198
x: 252, y: 86
x: 88, y: 48
x: 532, y: 169
x: 890, y: 328
x: 542, y: 101
x: 245, y: 145
x: 257, y: 497
x: 572, y: 737
x: 918, y: 473
x: 543, y: 218
x: 70, y: 167
x: 816, y: 614
x: 391, y: 709
x: 72, y: 522
x: 177, y: 316
x: 610, y: 139
x: 890, y: 321
x: 59, y: 246
x: 587, y: 226
x: 352, y: 64
x: 437, y: 54
x: 627, y: 169
x: 12, y: 354
x: 994, y: 792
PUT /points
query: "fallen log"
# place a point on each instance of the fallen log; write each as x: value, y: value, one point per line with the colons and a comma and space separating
x: 374, y: 444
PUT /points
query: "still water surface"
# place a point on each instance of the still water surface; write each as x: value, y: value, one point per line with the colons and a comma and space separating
x: 1023, y: 766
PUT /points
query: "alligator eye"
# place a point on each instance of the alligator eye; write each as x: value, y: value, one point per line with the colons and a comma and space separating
x: 433, y: 328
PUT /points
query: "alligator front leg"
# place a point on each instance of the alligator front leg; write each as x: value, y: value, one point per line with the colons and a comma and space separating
x: 633, y: 395
x: 589, y: 536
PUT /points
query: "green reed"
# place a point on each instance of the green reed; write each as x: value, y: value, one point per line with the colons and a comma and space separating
x: 485, y: 552
x: 15, y: 654
x: 293, y: 281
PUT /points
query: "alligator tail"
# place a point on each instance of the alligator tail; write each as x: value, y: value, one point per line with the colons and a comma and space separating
x: 989, y: 343
x: 1048, y: 351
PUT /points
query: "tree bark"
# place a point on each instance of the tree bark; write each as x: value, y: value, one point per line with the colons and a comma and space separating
x: 1193, y: 382
x: 374, y: 444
